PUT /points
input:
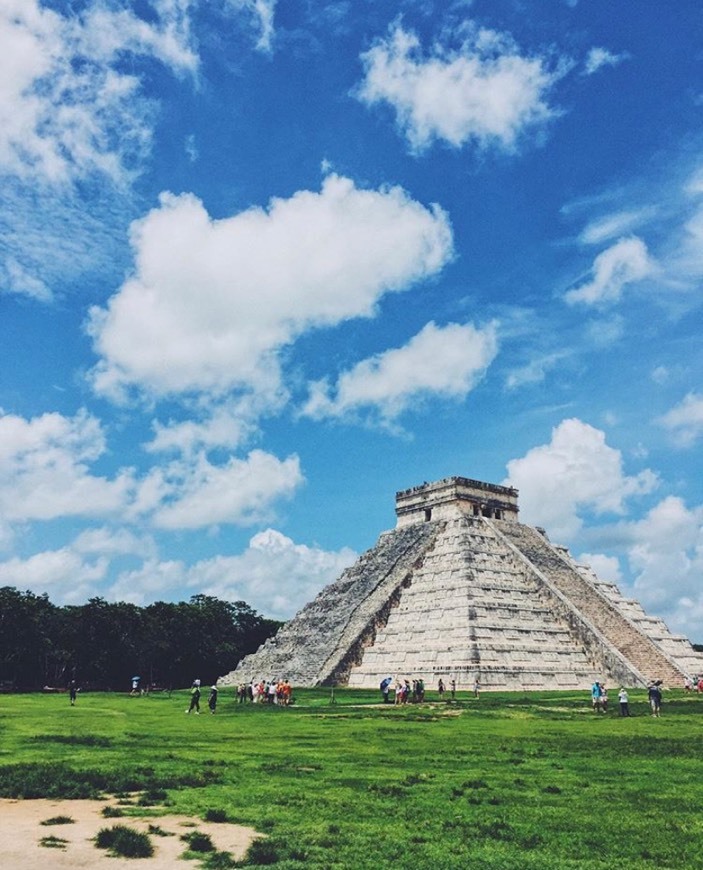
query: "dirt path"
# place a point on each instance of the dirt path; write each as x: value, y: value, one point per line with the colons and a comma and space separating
x: 21, y: 832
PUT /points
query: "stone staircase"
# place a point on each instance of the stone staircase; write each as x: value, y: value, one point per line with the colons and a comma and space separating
x: 645, y: 659
x: 474, y: 609
x: 320, y: 644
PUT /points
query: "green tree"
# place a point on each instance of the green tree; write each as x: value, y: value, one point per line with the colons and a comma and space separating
x: 25, y: 644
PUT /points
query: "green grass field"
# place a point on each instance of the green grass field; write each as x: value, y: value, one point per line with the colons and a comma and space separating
x: 507, y: 781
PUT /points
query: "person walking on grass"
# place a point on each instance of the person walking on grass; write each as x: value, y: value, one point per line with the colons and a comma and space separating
x: 212, y: 700
x: 195, y: 698
x: 72, y: 692
x: 440, y: 688
x: 624, y: 699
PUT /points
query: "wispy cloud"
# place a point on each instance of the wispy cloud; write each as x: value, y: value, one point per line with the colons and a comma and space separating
x: 67, y: 106
x: 262, y: 13
x: 613, y: 225
x: 685, y: 420
x: 625, y: 262
x: 600, y: 57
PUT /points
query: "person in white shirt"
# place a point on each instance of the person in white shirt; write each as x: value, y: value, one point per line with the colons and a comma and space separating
x: 624, y: 702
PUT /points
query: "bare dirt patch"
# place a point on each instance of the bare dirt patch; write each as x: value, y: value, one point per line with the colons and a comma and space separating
x: 21, y: 833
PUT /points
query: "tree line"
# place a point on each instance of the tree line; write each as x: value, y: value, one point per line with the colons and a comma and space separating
x: 102, y: 645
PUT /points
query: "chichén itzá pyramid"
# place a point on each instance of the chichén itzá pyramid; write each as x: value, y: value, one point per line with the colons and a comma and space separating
x: 462, y: 590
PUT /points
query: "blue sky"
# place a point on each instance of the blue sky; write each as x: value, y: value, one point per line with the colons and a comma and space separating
x: 264, y: 263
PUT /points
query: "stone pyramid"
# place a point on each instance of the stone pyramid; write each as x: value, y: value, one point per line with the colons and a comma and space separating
x: 461, y: 590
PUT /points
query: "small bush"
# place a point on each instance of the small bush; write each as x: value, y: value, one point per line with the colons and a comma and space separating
x: 112, y: 812
x: 215, y: 815
x: 262, y: 852
x: 152, y: 796
x: 121, y: 840
x: 58, y: 820
x: 198, y: 842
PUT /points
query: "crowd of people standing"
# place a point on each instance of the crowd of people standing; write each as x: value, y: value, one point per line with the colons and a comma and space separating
x: 265, y: 692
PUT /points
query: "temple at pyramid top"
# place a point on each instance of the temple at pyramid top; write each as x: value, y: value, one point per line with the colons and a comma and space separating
x: 445, y: 499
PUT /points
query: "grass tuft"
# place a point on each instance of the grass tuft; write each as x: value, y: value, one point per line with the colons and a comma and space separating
x: 52, y: 842
x: 58, y: 820
x: 124, y: 841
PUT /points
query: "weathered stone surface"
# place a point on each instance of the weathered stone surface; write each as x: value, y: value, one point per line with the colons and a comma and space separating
x: 461, y: 590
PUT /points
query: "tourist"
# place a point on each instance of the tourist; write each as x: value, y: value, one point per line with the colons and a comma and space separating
x: 194, y: 698
x: 603, y: 698
x: 386, y: 688
x: 286, y: 693
x: 452, y: 686
x: 212, y: 700
x: 655, y: 698
x: 477, y: 687
x: 596, y: 693
x: 624, y: 702
x: 72, y: 692
x: 440, y: 688
x: 420, y: 690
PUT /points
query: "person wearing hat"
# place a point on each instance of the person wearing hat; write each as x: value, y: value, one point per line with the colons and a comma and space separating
x: 195, y: 698
x: 212, y: 700
x: 624, y: 701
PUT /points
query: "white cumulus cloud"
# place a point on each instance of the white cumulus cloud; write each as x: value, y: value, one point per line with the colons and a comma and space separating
x: 212, y: 302
x: 665, y: 553
x: 63, y: 573
x: 241, y: 491
x: 45, y: 469
x: 274, y: 575
x: 485, y: 92
x: 577, y: 470
x: 439, y: 361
